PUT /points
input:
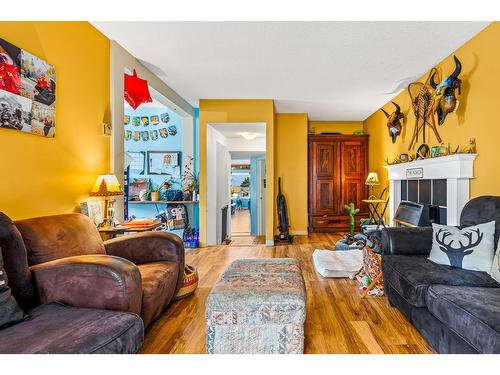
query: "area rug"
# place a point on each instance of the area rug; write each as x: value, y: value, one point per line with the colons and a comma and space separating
x: 338, y: 263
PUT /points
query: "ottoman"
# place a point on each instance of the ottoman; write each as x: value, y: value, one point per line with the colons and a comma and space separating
x: 257, y: 306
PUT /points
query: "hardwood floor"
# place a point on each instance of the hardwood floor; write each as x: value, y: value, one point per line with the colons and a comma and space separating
x: 338, y: 320
x: 247, y: 240
x: 240, y: 223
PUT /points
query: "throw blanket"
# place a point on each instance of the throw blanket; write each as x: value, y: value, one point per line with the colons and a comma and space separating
x: 330, y: 263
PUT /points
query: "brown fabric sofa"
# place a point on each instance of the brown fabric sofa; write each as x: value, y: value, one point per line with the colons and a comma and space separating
x: 69, y: 262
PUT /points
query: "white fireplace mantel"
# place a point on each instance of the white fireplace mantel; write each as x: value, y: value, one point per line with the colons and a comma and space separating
x: 457, y: 169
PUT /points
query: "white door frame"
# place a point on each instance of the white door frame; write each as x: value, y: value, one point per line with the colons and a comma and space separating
x: 261, y: 196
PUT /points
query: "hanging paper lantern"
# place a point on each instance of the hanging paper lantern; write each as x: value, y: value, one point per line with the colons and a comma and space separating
x: 136, y: 90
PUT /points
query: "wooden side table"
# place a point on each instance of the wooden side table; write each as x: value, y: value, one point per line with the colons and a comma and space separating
x: 112, y: 232
x: 372, y: 206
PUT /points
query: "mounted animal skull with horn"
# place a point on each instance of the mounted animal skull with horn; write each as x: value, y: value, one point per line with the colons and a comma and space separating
x: 394, y: 122
x: 445, y: 100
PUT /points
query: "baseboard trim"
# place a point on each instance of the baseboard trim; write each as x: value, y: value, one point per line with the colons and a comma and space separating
x: 269, y: 242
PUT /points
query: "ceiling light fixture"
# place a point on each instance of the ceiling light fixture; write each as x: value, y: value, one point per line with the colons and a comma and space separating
x: 249, y: 135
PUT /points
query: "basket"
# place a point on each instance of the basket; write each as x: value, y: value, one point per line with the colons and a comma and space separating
x: 189, y: 284
x: 372, y: 265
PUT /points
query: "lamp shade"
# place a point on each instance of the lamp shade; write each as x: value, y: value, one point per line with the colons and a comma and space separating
x: 372, y: 179
x: 106, y: 185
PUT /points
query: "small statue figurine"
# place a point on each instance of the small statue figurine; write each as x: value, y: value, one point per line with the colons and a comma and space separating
x: 352, y: 212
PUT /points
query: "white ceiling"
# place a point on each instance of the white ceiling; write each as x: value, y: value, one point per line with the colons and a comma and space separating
x: 330, y: 70
x: 234, y: 130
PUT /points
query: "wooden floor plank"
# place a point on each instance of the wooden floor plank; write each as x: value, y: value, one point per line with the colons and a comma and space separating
x: 338, y: 320
x: 365, y: 334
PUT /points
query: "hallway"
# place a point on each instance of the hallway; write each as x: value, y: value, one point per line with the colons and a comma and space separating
x: 240, y: 223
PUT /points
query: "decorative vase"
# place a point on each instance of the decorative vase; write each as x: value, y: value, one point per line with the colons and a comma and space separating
x: 155, y: 196
x: 143, y: 195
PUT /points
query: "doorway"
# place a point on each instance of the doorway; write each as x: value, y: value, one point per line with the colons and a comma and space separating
x: 123, y: 62
x: 240, y: 198
x: 236, y: 155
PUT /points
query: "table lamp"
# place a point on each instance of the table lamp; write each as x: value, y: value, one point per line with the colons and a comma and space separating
x: 107, y: 186
x: 371, y: 181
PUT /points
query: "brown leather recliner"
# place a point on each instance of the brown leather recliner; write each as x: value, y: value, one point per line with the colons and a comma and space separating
x: 139, y: 273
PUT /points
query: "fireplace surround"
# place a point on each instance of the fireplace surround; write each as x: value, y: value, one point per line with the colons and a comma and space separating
x: 449, y: 177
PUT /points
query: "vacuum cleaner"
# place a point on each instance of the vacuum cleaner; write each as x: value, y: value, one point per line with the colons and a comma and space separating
x: 284, y: 235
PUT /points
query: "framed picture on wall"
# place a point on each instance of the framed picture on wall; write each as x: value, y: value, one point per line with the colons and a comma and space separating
x: 27, y: 92
x: 164, y: 162
x: 138, y: 162
x: 155, y: 120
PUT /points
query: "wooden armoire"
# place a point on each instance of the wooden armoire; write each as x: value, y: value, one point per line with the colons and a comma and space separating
x: 338, y: 166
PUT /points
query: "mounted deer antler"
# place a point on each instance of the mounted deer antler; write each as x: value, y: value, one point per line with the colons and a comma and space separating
x: 456, y: 255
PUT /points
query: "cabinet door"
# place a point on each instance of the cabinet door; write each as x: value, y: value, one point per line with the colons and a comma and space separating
x: 323, y: 162
x: 353, y: 173
x: 324, y: 178
x: 324, y: 196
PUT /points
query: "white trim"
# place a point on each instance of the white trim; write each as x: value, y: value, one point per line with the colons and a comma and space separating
x: 457, y: 169
x: 269, y: 242
x: 261, y: 197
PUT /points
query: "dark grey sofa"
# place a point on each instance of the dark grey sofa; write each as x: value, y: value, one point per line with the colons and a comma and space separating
x: 455, y: 310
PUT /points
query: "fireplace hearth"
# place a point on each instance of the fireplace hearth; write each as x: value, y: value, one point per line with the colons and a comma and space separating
x: 440, y: 185
x: 411, y: 214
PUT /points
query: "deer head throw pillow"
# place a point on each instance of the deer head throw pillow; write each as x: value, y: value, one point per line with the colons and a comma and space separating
x: 469, y: 248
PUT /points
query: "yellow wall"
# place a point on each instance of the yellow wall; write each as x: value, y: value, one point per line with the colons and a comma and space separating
x: 476, y: 117
x: 344, y: 127
x: 290, y: 163
x: 42, y: 176
x: 235, y: 110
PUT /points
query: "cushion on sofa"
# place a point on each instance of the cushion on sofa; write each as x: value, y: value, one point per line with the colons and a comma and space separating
x: 57, y: 328
x: 471, y: 248
x: 495, y: 267
x: 482, y: 210
x: 53, y: 237
x: 158, y: 286
x: 10, y: 312
x: 410, y: 276
x: 470, y: 312
x: 15, y: 263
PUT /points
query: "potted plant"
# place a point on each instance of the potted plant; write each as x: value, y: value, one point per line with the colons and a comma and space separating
x: 154, y: 192
x: 191, y: 180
